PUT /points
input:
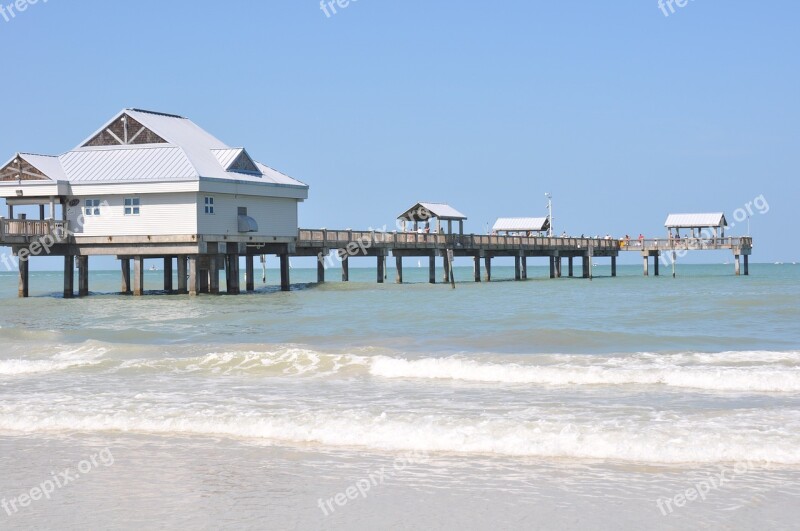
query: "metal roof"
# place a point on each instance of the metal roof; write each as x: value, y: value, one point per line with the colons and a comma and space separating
x: 521, y: 225
x: 688, y: 221
x: 441, y: 211
x: 188, y: 153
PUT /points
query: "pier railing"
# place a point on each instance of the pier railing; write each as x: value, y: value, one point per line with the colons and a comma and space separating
x: 10, y: 228
x: 686, y: 244
x: 415, y: 240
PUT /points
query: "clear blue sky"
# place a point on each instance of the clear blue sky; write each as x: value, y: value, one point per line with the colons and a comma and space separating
x: 622, y: 113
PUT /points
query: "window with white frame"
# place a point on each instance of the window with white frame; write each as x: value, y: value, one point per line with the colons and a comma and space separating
x: 91, y: 207
x: 209, y: 204
x: 132, y: 205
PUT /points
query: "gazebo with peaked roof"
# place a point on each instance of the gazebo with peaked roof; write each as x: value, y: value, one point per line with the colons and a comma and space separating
x: 715, y: 222
x: 424, y: 212
x: 527, y: 226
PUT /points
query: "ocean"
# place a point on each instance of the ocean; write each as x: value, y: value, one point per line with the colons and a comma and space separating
x: 616, y: 403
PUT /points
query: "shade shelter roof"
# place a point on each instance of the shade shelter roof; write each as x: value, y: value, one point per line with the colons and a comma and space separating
x: 426, y: 211
x: 695, y: 221
x: 521, y: 225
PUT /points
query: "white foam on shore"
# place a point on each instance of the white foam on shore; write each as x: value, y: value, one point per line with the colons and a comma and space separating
x: 82, y: 356
x: 692, y: 439
x: 736, y: 371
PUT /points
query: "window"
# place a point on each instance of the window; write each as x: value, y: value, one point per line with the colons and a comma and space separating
x: 209, y: 204
x: 132, y: 206
x: 92, y: 207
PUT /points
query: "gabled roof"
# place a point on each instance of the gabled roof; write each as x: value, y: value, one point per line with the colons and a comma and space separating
x: 145, y: 146
x: 689, y: 221
x: 425, y: 211
x: 32, y: 168
x: 521, y: 225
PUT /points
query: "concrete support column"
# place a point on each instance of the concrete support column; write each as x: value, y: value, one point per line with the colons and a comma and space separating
x: 646, y: 264
x: 517, y: 269
x: 41, y: 212
x: 126, y: 276
x: 487, y: 266
x: 204, y: 276
x: 398, y: 265
x: 194, y: 276
x: 524, y: 263
x: 168, y: 274
x: 736, y: 265
x: 345, y: 268
x: 570, y: 261
x: 559, y: 263
x: 24, y: 277
x: 613, y: 266
x: 552, y: 267
x: 477, y: 269
x: 586, y: 262
x: 183, y: 275
x: 138, y: 276
x: 249, y: 271
x: 446, y: 267
x: 381, y: 268
x: 213, y: 273
x: 432, y: 269
x: 69, y: 276
x: 83, y: 276
x: 746, y: 265
x: 233, y: 274
x: 285, y: 280
x: 655, y: 263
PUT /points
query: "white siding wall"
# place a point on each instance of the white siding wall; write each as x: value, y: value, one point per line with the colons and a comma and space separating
x: 275, y: 216
x: 160, y: 214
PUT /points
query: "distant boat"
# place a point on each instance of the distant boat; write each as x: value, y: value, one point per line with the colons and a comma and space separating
x: 419, y: 263
x: 153, y: 268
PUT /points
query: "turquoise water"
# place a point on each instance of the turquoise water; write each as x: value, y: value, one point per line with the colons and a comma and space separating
x: 564, y: 401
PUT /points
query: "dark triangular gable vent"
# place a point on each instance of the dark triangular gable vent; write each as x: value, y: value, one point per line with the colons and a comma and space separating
x: 20, y: 170
x: 124, y: 131
x: 244, y: 163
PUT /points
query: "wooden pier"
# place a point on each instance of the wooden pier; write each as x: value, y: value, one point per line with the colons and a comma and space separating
x: 198, y: 260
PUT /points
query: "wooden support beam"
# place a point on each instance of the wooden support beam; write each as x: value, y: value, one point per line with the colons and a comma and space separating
x: 285, y: 280
x: 477, y: 268
x: 487, y: 266
x: 83, y: 276
x: 432, y: 269
x: 398, y: 265
x: 138, y: 276
x: 69, y: 276
x: 194, y: 276
x: 168, y: 274
x: 345, y: 268
x: 126, y: 276
x: 183, y: 275
x: 249, y: 271
x: 213, y: 273
x: 24, y: 277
